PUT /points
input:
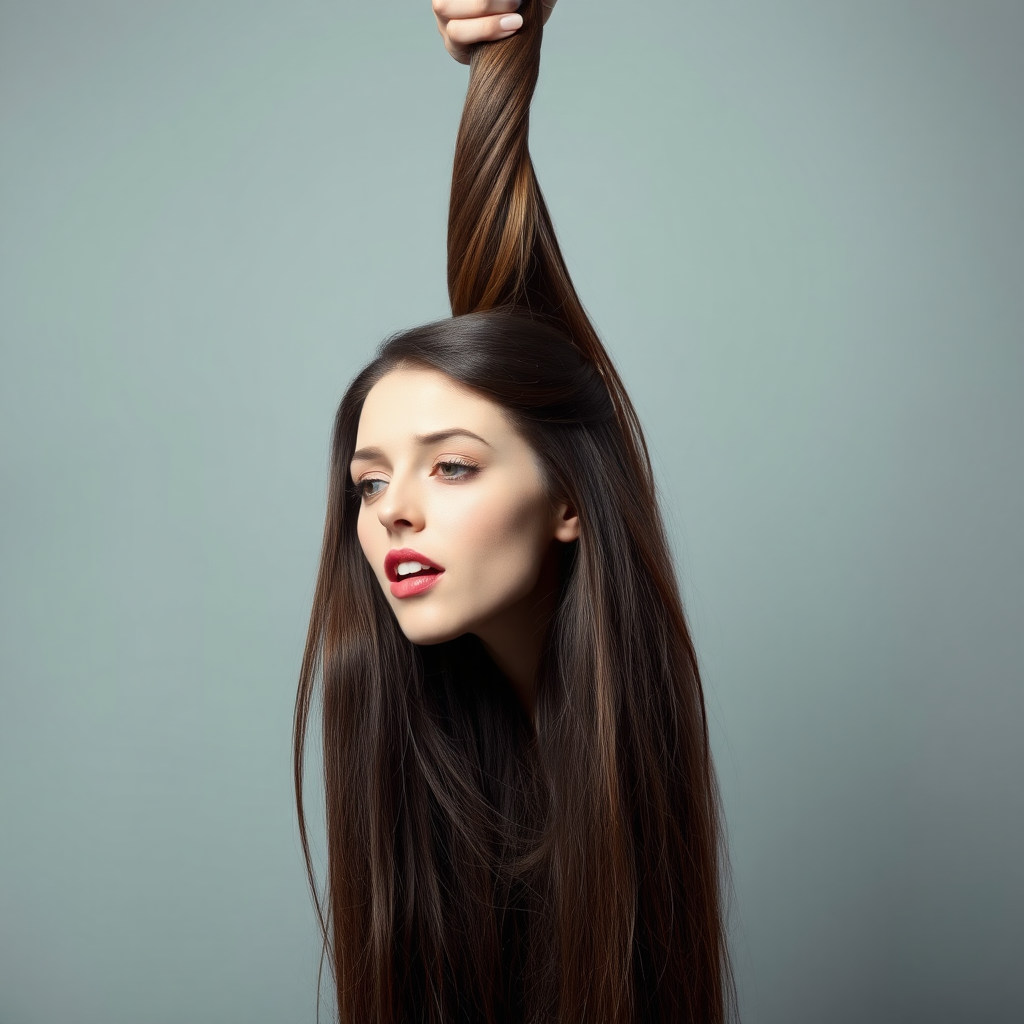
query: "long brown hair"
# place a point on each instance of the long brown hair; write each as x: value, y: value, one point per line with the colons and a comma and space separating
x: 482, y: 867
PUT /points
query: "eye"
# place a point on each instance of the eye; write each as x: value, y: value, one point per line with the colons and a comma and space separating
x: 455, y: 469
x: 365, y: 487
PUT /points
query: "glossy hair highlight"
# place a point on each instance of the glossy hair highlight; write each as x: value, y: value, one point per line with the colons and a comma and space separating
x: 482, y: 867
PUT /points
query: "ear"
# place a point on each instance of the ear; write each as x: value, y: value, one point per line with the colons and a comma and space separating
x: 567, y: 523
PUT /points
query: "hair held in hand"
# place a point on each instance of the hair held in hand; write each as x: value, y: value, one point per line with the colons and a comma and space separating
x: 502, y: 249
x: 483, y: 866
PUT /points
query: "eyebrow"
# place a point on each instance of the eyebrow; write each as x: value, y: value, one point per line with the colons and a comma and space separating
x: 368, y: 454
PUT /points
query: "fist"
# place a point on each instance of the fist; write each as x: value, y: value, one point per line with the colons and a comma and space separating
x: 465, y: 22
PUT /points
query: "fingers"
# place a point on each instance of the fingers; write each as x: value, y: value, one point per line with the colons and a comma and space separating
x: 467, y: 31
x: 462, y: 23
x: 449, y: 9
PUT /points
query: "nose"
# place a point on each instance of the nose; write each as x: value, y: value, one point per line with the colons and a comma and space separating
x: 399, y: 507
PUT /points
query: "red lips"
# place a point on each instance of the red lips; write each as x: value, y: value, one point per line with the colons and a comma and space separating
x: 398, y: 555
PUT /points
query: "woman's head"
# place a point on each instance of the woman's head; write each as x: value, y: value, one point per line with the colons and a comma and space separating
x: 471, y: 442
x: 449, y: 477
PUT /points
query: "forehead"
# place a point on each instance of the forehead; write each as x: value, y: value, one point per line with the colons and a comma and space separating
x: 419, y: 400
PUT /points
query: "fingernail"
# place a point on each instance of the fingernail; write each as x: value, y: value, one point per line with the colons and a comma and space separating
x: 511, y: 21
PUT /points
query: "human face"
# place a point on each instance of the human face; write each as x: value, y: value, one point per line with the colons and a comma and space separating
x: 442, y: 472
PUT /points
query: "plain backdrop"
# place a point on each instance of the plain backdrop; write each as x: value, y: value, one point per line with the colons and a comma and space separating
x: 799, y: 228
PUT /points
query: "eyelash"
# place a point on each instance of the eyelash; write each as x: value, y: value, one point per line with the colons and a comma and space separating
x: 470, y: 467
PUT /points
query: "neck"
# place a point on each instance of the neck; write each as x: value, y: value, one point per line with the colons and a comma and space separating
x: 515, y: 641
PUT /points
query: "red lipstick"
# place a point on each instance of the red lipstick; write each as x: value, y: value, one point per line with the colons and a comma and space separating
x: 408, y: 585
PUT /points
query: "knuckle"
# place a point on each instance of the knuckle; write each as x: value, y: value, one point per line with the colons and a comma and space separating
x: 457, y: 32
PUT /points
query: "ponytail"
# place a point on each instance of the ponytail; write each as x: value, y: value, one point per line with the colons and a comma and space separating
x: 502, y: 249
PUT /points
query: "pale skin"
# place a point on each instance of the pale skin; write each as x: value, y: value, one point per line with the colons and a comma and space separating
x: 465, y: 22
x: 475, y: 505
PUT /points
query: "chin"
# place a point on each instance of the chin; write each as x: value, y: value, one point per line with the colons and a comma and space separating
x: 427, y: 634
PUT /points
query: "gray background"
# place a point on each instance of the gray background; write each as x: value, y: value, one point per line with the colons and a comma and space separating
x: 799, y: 228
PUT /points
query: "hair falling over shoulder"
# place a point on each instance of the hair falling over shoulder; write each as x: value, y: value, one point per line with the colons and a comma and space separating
x: 479, y: 868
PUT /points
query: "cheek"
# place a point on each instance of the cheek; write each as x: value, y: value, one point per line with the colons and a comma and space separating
x: 501, y: 540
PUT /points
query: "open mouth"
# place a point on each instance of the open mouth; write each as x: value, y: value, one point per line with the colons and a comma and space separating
x: 402, y: 564
x: 410, y: 573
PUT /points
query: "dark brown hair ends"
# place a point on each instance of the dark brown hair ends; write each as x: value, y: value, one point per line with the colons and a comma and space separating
x: 481, y: 867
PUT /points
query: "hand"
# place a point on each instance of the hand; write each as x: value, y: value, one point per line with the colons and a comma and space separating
x: 465, y: 22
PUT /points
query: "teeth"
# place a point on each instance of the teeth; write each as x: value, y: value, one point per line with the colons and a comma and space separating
x: 404, y: 568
